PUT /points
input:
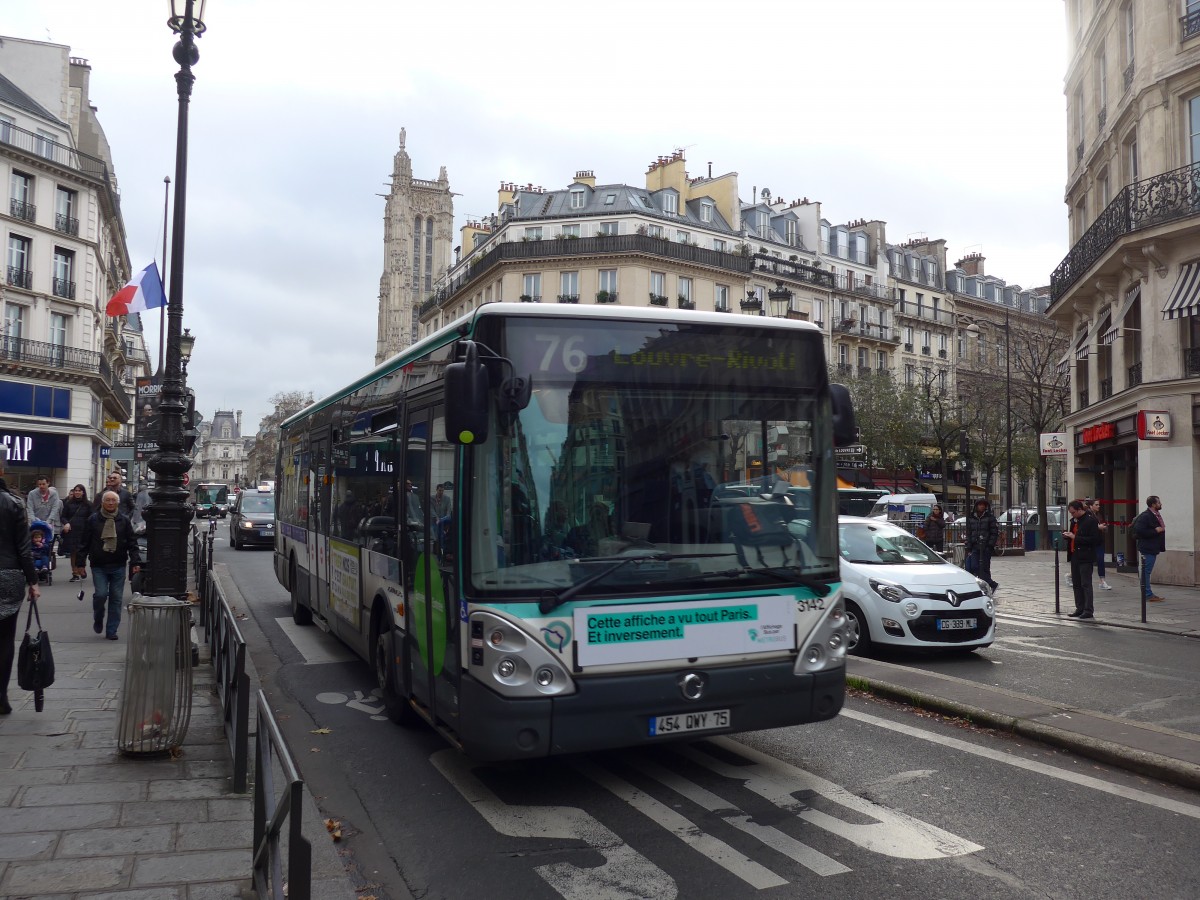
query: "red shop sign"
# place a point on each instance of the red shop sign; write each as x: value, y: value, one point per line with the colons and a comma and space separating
x: 1102, y: 431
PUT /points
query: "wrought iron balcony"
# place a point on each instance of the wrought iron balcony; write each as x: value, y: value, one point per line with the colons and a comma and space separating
x: 1191, y: 362
x: 26, y: 357
x: 66, y: 224
x: 1106, y: 388
x: 1101, y: 118
x: 20, y: 209
x: 18, y: 277
x: 846, y: 326
x: 1135, y: 375
x: 606, y: 296
x: 864, y: 371
x: 1079, y: 152
x: 1144, y: 204
x: 63, y: 288
x: 1128, y: 75
x: 793, y: 270
x: 1190, y: 24
x: 845, y: 369
x: 568, y: 298
x: 1083, y: 399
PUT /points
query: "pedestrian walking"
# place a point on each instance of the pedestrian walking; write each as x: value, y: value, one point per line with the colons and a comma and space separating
x: 115, y: 482
x: 110, y: 543
x: 1102, y: 524
x: 935, y: 529
x: 983, y: 532
x: 76, y: 510
x: 1151, y: 533
x: 43, y: 503
x: 18, y: 579
x: 1082, y: 537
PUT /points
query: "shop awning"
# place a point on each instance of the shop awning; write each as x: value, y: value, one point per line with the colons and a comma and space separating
x: 1110, y: 335
x: 1185, y: 296
x: 1083, y: 343
x: 1064, y: 364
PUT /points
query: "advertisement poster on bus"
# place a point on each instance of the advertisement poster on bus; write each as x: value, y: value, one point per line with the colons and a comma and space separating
x: 343, y: 580
x: 146, y: 417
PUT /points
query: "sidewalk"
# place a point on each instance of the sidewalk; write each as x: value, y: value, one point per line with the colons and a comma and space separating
x: 1027, y: 589
x: 81, y: 820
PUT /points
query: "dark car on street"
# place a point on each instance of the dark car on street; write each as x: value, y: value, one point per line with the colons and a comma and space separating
x: 252, y: 520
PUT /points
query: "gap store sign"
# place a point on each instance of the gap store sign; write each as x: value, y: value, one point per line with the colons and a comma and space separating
x: 34, y: 449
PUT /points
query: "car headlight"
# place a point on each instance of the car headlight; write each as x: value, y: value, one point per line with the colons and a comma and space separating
x: 984, y: 586
x: 889, y: 590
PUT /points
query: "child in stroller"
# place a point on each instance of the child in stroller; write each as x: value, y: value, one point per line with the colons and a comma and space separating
x: 41, y: 541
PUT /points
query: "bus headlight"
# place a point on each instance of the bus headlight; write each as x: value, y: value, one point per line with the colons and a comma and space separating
x: 512, y: 662
x: 825, y: 646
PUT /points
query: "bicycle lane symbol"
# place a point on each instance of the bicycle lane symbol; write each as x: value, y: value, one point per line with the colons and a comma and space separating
x: 366, y: 703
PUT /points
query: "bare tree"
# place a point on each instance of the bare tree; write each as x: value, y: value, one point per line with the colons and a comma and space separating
x: 942, y: 416
x: 261, y: 460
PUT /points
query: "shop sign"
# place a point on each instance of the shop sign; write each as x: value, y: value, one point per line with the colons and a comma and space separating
x: 1153, y: 425
x: 1101, y: 431
x: 36, y: 450
x: 1054, y: 443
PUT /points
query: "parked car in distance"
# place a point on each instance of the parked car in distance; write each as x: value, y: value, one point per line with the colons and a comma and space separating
x: 252, y: 520
x: 901, y: 593
x: 1029, y: 518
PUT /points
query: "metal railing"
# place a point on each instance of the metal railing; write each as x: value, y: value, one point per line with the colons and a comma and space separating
x: 924, y: 311
x: 61, y: 287
x: 1190, y: 25
x: 1083, y: 399
x: 22, y: 209
x: 1106, y: 388
x: 1191, y: 362
x: 793, y: 270
x: 66, y: 224
x: 272, y: 811
x: 18, y: 277
x: 228, y: 649
x: 1135, y: 375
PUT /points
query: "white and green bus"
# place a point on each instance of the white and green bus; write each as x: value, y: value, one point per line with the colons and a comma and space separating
x: 520, y: 523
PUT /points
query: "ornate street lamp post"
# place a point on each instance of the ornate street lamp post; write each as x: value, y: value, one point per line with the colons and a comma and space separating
x: 167, y: 515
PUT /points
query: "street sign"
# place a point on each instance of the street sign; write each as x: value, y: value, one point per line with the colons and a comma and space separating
x: 851, y: 464
x: 852, y: 450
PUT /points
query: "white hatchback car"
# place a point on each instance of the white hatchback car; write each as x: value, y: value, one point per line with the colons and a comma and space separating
x: 899, y: 592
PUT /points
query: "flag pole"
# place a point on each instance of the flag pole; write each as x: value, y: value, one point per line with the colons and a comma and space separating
x: 162, y: 315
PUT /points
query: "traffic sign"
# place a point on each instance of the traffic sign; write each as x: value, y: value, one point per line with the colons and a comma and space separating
x: 852, y: 450
x: 186, y: 479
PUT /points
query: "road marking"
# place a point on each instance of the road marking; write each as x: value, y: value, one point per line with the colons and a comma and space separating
x: 625, y: 872
x: 314, y: 645
x: 1128, y: 793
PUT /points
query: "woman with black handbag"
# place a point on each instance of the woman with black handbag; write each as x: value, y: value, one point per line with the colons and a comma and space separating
x: 17, y: 576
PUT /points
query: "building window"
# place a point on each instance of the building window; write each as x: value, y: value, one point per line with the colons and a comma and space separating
x: 706, y: 212
x: 881, y: 360
x: 570, y: 231
x: 908, y: 337
x: 658, y: 284
x: 20, y: 204
x: 610, y: 199
x: 65, y: 219
x: 654, y: 231
x: 1100, y: 65
x: 609, y: 228
x: 683, y: 237
x: 429, y: 254
x: 64, y: 273
x: 1077, y: 104
x: 843, y: 355
x: 6, y: 126
x: 670, y: 202
x: 719, y: 245
x: 1102, y: 192
x: 569, y: 285
x: 1131, y: 159
x: 45, y: 144
x: 14, y: 328
x: 19, y: 250
x: 721, y: 297
x: 864, y: 358
x: 790, y: 229
x: 577, y: 199
x: 1194, y: 129
x: 608, y: 280
x: 818, y: 306
x: 531, y: 286
x: 534, y: 233
x: 685, y: 290
x: 1127, y: 46
x: 910, y: 374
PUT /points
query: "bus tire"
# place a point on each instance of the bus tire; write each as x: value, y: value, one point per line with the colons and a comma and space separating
x: 397, y: 707
x: 858, y: 635
x: 301, y: 615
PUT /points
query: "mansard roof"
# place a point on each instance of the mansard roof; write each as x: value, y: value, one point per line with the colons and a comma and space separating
x: 14, y: 96
x: 612, y: 200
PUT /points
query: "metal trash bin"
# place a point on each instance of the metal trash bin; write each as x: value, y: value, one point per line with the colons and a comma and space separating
x: 156, y: 700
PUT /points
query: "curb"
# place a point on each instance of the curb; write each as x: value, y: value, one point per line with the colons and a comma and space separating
x: 1141, y: 762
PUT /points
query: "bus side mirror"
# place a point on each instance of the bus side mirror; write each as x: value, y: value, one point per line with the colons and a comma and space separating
x: 466, y: 397
x: 845, y: 429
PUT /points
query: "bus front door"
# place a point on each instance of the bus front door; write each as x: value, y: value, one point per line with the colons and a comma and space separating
x: 432, y: 621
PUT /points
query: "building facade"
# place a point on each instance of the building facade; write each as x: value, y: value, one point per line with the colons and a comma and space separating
x: 1128, y: 292
x: 66, y: 370
x: 221, y: 451
x: 418, y: 228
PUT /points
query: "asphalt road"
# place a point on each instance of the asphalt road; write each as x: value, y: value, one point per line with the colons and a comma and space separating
x: 880, y: 801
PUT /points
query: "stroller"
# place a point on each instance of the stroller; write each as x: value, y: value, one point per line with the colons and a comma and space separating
x: 43, y: 554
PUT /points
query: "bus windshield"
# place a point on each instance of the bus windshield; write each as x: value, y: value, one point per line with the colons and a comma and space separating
x: 681, y: 452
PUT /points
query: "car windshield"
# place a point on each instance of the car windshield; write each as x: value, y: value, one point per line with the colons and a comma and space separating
x: 879, y: 543
x: 264, y: 504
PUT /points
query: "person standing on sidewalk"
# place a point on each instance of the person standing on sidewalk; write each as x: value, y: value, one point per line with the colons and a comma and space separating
x: 983, y: 531
x: 43, y: 504
x: 76, y: 511
x: 1082, y: 538
x: 17, y: 576
x: 1094, y: 508
x: 110, y: 543
x: 934, y: 527
x: 1151, y: 533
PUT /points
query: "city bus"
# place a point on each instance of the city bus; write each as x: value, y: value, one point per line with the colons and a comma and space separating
x: 514, y: 522
x: 211, y: 500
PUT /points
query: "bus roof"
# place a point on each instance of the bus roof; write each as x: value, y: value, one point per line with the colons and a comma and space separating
x: 466, y: 326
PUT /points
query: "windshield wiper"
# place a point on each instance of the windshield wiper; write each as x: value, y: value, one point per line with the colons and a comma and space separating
x: 551, y: 601
x: 789, y: 575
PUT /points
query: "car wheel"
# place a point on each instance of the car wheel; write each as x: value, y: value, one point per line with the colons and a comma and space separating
x: 301, y: 615
x: 858, y: 636
x: 398, y: 708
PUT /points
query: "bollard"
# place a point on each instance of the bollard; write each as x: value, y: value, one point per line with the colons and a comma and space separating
x: 156, y: 699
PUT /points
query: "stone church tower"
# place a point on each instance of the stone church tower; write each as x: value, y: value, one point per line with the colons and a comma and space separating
x: 418, y: 229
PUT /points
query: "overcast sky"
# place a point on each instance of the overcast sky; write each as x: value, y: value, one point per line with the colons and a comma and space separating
x: 944, y: 118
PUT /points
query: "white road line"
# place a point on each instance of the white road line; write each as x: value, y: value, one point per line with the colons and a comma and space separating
x: 625, y: 872
x: 1185, y: 809
x: 314, y: 645
x: 806, y: 856
x: 732, y: 861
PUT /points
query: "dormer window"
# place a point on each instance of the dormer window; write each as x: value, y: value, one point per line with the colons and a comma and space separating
x: 706, y: 212
x: 577, y: 198
x: 670, y: 203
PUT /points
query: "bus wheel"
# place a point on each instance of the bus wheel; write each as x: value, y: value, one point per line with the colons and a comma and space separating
x: 397, y: 707
x: 857, y: 634
x: 301, y: 615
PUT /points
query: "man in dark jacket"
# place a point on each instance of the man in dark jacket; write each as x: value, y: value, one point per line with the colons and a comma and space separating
x: 115, y: 483
x: 983, y: 531
x: 110, y: 543
x: 1151, y: 533
x: 1082, y: 538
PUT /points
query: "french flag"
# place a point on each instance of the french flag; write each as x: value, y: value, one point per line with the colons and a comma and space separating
x: 144, y: 292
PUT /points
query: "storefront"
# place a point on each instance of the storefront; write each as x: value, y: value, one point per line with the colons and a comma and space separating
x: 65, y: 459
